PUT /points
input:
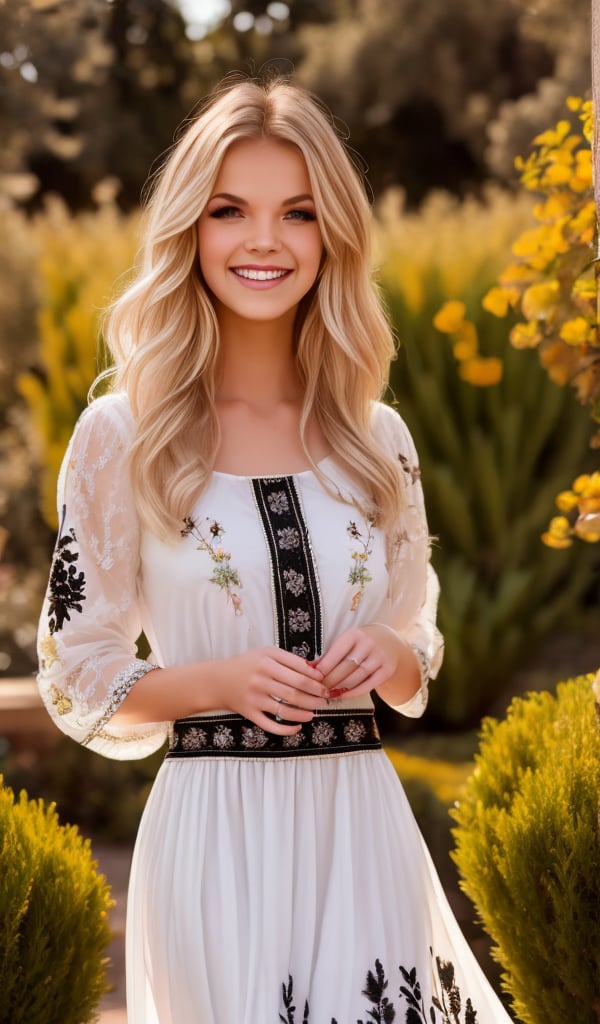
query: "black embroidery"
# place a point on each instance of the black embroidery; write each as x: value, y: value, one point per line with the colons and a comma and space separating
x: 66, y: 586
x: 287, y: 995
x: 383, y: 1010
x: 413, y: 471
x: 293, y: 571
x: 230, y: 735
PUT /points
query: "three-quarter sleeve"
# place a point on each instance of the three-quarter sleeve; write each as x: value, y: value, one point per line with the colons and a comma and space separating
x: 414, y: 586
x: 90, y: 619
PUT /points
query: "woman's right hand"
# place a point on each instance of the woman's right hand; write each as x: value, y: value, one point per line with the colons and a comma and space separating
x: 269, y: 681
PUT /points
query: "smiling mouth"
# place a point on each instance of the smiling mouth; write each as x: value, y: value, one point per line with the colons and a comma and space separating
x: 260, y: 275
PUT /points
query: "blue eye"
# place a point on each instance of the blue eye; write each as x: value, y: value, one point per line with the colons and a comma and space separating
x: 303, y: 215
x: 225, y: 212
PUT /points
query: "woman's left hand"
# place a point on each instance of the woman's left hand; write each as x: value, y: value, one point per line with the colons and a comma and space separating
x: 360, y: 660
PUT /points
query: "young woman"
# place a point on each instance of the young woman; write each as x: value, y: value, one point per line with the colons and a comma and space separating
x: 244, y: 499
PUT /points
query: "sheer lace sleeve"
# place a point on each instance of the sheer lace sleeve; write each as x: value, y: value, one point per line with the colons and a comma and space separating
x: 90, y: 619
x: 414, y: 586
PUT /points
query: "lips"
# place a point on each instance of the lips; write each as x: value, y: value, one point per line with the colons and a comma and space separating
x: 261, y: 273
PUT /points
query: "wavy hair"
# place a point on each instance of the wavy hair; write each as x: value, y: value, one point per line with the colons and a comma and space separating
x: 163, y: 331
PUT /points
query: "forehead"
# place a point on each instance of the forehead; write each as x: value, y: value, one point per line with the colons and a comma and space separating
x: 266, y: 165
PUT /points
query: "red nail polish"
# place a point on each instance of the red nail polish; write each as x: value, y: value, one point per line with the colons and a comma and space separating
x: 338, y: 692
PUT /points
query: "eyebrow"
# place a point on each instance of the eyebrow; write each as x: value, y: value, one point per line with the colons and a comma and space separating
x: 243, y: 202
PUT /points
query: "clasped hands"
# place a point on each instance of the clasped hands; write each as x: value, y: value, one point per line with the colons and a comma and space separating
x: 280, y: 691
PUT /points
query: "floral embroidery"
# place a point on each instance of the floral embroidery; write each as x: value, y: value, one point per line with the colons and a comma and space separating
x: 384, y: 1011
x: 227, y: 734
x: 62, y: 703
x: 359, y: 574
x: 412, y: 471
x: 67, y: 586
x: 354, y: 731
x: 298, y: 620
x: 278, y: 502
x: 294, y: 578
x: 194, y: 739
x: 253, y: 737
x: 48, y: 652
x: 294, y: 582
x: 294, y: 741
x: 302, y: 650
x: 223, y: 574
x: 288, y: 538
x: 323, y: 734
x: 223, y: 737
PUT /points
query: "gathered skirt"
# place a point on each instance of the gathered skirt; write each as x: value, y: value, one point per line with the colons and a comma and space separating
x: 295, y: 890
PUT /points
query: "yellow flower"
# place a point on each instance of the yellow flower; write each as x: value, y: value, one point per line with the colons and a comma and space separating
x: 584, y: 219
x: 555, y: 207
x: 582, y: 178
x: 575, y: 332
x: 449, y: 318
x: 566, y: 501
x: 551, y: 541
x: 518, y: 273
x: 466, y: 343
x: 557, y: 174
x: 539, y: 301
x: 525, y: 335
x: 554, y: 136
x: 574, y: 102
x: 498, y: 300
x: 557, y: 534
x: 480, y: 371
x: 581, y: 483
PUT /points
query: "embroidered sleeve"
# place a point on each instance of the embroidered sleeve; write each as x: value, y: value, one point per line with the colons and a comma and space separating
x: 90, y: 620
x: 414, y: 586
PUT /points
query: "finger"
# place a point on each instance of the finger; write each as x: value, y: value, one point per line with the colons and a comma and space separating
x: 366, y: 686
x: 295, y: 681
x: 296, y: 663
x: 349, y: 674
x: 294, y: 697
x: 289, y: 712
x: 277, y: 728
x: 351, y: 644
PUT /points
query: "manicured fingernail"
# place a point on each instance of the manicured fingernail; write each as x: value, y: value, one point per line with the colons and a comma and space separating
x: 338, y: 693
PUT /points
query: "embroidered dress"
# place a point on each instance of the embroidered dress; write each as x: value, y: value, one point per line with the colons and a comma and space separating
x: 273, y: 880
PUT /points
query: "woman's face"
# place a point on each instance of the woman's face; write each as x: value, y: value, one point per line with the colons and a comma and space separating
x: 259, y: 241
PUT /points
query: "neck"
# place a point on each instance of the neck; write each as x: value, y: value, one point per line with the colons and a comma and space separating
x: 256, y: 362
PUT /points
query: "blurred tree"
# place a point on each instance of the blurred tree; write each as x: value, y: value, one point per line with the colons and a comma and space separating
x: 91, y: 90
x: 434, y: 95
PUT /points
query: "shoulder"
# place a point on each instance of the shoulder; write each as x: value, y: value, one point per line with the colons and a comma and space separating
x: 108, y: 416
x: 391, y: 431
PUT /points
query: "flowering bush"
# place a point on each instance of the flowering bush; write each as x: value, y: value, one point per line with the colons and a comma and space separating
x: 552, y: 284
x: 82, y: 257
x: 492, y: 458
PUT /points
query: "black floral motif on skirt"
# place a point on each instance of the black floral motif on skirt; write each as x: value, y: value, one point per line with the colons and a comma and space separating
x: 446, y: 1007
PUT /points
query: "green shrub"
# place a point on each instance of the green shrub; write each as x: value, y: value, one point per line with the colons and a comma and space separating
x: 528, y: 850
x: 492, y: 458
x: 53, y: 914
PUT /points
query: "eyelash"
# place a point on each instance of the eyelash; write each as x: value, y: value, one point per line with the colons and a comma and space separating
x: 231, y: 212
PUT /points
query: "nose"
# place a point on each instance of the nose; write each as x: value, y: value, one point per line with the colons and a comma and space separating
x: 263, y: 236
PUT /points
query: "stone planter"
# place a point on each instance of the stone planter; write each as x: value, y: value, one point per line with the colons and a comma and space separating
x: 24, y: 721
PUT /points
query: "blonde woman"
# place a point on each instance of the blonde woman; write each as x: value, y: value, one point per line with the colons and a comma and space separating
x: 244, y: 499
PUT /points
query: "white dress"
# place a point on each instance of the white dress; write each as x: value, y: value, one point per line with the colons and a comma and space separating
x: 272, y: 881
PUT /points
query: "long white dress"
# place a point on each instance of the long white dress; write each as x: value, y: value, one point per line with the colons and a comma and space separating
x: 272, y: 881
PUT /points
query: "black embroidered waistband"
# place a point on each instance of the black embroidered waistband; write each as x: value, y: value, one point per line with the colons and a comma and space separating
x: 231, y: 735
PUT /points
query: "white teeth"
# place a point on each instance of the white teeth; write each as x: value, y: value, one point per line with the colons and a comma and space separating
x: 259, y: 275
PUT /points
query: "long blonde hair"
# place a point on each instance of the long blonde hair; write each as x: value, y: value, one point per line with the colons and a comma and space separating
x: 163, y: 331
